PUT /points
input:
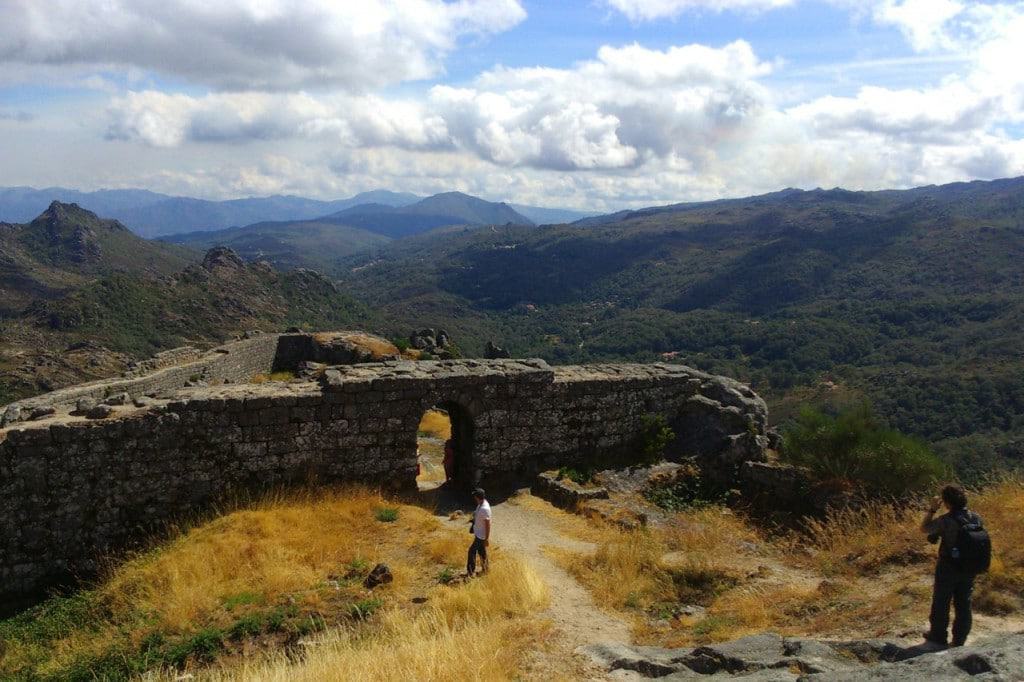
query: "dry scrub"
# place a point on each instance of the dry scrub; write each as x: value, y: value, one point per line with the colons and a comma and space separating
x: 855, y: 573
x: 271, y: 577
x: 481, y: 631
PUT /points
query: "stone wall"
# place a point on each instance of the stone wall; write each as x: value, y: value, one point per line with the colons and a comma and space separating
x: 72, y: 489
x: 238, y: 361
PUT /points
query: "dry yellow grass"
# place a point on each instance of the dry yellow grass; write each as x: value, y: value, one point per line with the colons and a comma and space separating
x: 481, y: 631
x: 855, y: 573
x: 436, y: 424
x: 280, y: 547
x: 1001, y: 505
x: 863, y: 541
x: 645, y: 571
x: 281, y: 551
x: 273, y: 376
x: 375, y: 345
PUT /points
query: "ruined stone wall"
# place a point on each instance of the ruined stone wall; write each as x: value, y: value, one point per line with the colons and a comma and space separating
x: 72, y: 489
x: 238, y: 361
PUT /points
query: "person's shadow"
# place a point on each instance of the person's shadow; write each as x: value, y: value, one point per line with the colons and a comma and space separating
x: 893, y: 652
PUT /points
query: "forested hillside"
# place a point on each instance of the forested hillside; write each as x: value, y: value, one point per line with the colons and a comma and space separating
x: 82, y: 296
x: 912, y: 300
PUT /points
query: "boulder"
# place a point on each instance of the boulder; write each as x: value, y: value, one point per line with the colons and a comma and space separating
x: 380, y: 575
x: 494, y: 352
x: 118, y: 399
x: 563, y: 492
x: 11, y: 414
x: 83, y: 405
x: 41, y: 412
x: 101, y: 411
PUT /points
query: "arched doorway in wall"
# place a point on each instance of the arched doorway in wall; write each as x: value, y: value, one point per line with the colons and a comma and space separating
x: 444, y: 429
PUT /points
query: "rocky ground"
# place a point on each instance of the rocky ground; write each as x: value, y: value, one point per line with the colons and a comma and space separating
x: 603, y: 640
x: 769, y: 658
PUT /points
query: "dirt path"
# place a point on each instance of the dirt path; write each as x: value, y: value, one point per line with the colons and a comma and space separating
x: 525, y: 532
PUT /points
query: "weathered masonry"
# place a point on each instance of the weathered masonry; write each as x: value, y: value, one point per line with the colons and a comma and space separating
x: 73, y: 489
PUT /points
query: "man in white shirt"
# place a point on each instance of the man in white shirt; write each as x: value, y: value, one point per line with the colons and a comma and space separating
x: 481, y: 530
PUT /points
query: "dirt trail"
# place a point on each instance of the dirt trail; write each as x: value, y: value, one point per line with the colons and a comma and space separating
x: 525, y: 532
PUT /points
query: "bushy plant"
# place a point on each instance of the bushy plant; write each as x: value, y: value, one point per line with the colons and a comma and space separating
x: 577, y: 476
x: 386, y: 514
x: 686, y: 490
x: 855, y: 446
x: 655, y: 435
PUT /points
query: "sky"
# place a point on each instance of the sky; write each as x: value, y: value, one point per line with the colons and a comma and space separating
x: 590, y: 104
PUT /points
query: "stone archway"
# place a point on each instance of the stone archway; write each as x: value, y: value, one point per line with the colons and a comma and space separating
x: 431, y: 448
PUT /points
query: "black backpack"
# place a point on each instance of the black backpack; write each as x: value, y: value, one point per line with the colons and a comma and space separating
x: 972, y: 552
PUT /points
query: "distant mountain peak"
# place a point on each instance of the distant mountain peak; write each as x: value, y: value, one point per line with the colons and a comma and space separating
x: 60, y: 218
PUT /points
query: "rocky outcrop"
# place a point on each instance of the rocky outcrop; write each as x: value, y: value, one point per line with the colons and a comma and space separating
x: 563, y: 492
x: 435, y: 342
x: 768, y: 657
x: 495, y: 352
x: 222, y: 258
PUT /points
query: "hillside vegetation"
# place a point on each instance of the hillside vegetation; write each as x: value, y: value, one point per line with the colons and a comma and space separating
x: 911, y: 300
x: 86, y: 295
x: 288, y: 245
x: 276, y: 591
x: 710, y: 574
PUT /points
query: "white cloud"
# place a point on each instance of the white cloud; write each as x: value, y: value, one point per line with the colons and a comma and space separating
x: 249, y: 44
x: 618, y: 111
x: 631, y: 126
x: 923, y: 22
x: 647, y: 10
x: 158, y: 119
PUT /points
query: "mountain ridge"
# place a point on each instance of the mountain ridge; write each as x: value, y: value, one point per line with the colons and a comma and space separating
x: 152, y: 214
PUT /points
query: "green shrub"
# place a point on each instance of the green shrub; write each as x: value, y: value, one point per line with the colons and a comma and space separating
x: 854, y: 446
x: 577, y: 476
x: 386, y: 514
x: 364, y: 608
x: 447, y: 575
x: 686, y: 490
x: 655, y: 435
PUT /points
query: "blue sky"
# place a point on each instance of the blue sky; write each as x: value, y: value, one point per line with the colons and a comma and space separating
x: 598, y: 104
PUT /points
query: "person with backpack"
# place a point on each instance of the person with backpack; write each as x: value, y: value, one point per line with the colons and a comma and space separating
x: 964, y: 551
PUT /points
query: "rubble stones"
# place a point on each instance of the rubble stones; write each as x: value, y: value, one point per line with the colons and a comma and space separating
x: 565, y: 493
x: 380, y: 575
x: 11, y: 414
x: 494, y: 352
x: 101, y: 411
x: 83, y: 405
x: 41, y: 413
x: 435, y: 342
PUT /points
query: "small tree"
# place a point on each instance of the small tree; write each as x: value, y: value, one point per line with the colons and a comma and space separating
x: 855, y: 446
x: 655, y: 435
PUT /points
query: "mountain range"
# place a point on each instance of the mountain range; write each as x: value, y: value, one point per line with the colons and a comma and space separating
x: 81, y: 296
x: 912, y: 300
x: 323, y: 242
x: 150, y: 214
